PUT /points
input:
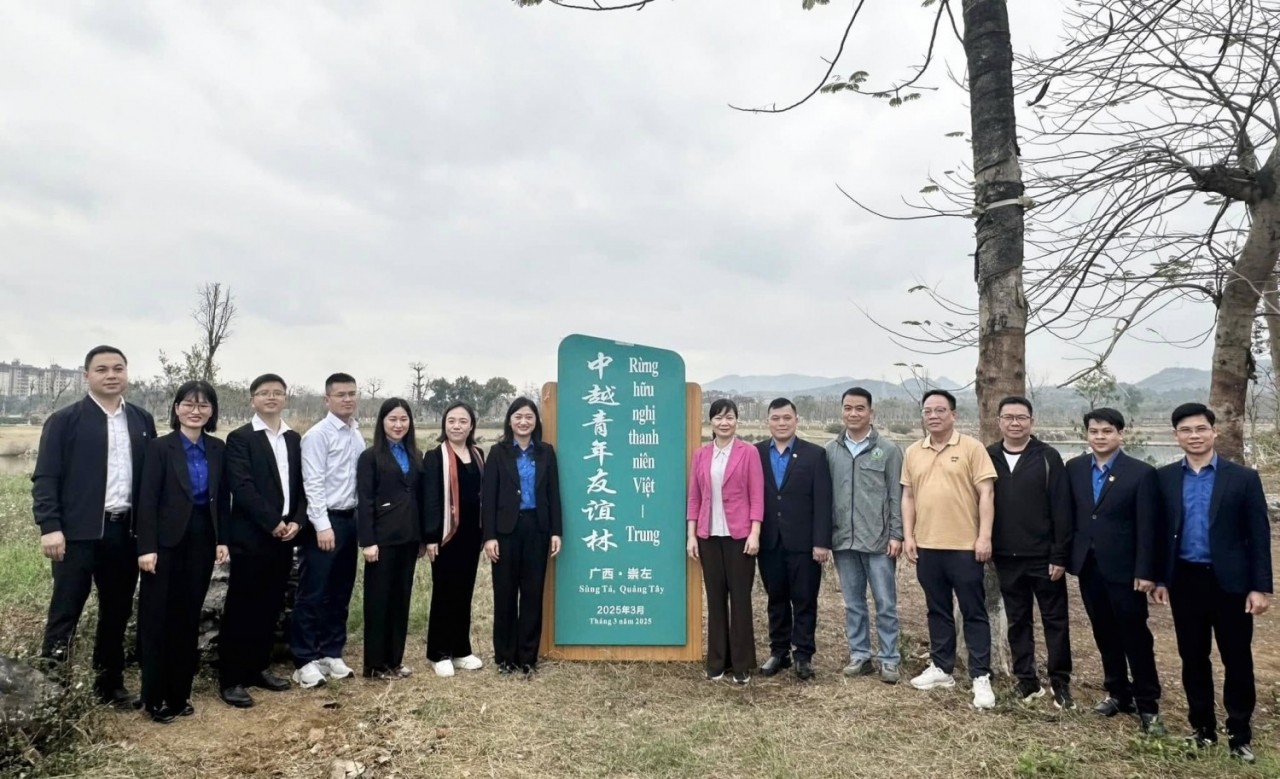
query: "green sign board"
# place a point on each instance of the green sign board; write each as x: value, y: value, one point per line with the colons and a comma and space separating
x: 620, y: 443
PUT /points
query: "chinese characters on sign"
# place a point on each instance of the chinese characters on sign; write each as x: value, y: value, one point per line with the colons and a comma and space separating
x: 620, y: 579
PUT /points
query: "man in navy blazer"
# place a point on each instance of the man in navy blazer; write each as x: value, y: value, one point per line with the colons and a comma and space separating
x: 87, y: 475
x: 1115, y: 554
x: 1217, y: 574
x: 795, y: 538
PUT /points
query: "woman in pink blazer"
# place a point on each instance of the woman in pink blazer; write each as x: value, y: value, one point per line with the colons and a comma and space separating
x: 726, y: 506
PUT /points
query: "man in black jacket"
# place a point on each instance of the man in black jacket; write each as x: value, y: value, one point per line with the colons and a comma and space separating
x: 1030, y: 542
x: 795, y: 538
x: 83, y: 489
x: 269, y: 506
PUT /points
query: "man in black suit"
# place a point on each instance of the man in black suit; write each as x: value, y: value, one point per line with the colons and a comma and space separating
x: 83, y: 489
x: 1216, y: 576
x: 795, y: 538
x: 269, y: 506
x: 1114, y: 551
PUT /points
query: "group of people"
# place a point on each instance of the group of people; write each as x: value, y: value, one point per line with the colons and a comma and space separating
x: 116, y: 503
x: 1194, y: 535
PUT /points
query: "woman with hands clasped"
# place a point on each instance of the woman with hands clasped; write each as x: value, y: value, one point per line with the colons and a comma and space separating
x: 389, y: 528
x: 452, y: 475
x: 183, y: 503
x: 520, y: 513
x: 725, y: 509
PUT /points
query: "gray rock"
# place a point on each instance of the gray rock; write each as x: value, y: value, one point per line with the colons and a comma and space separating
x: 24, y: 691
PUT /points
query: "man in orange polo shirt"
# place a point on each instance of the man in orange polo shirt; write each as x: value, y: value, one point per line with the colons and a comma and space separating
x: 948, y: 508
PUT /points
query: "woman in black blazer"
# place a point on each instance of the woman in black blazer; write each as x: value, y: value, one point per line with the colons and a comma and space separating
x: 389, y: 528
x: 520, y: 514
x: 452, y: 474
x: 183, y: 504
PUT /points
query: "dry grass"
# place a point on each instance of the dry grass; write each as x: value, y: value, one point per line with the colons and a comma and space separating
x: 663, y: 720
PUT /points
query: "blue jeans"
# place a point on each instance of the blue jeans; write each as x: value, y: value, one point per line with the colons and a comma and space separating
x: 325, y: 583
x: 855, y: 570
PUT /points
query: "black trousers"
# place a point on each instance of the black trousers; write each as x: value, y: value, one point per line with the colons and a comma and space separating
x: 1203, y: 612
x: 388, y: 586
x: 1023, y: 583
x: 728, y: 575
x: 791, y: 581
x: 255, y: 595
x: 518, y: 579
x: 1118, y: 615
x: 453, y: 582
x: 110, y: 564
x: 943, y: 573
x: 318, y: 628
x: 169, y: 607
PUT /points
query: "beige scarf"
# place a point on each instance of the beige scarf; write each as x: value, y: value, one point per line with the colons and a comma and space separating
x: 450, y: 481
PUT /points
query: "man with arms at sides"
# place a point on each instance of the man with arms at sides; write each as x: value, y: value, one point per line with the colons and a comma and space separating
x: 1114, y: 551
x: 866, y: 537
x: 795, y: 538
x: 1217, y: 574
x: 1030, y: 543
x: 327, y: 559
x: 87, y: 475
x: 264, y: 466
x: 947, y: 512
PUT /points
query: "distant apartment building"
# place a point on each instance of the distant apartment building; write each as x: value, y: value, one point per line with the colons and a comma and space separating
x: 20, y: 380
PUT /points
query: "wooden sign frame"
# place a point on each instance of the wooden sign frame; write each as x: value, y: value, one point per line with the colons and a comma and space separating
x: 692, y: 649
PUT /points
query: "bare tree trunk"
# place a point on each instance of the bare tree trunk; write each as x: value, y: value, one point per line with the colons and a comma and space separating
x: 1271, y: 308
x: 1232, y: 359
x: 1002, y: 306
x: 215, y: 312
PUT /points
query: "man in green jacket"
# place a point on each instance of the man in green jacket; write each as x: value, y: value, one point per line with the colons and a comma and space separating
x: 866, y: 532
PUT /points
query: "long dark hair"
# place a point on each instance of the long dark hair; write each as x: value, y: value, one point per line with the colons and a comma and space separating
x: 509, y: 437
x: 471, y: 412
x: 381, y: 447
x: 194, y: 391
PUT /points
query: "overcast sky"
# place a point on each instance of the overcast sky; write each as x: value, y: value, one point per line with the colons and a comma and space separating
x: 465, y: 183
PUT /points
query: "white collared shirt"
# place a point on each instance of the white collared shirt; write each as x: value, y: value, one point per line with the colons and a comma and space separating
x: 719, y: 462
x: 329, y: 453
x: 119, y: 494
x: 281, y: 451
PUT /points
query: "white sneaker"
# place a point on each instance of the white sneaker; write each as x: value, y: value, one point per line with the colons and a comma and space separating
x: 443, y: 667
x: 934, y: 677
x: 308, y: 676
x: 333, y: 667
x: 983, y: 697
x: 468, y: 663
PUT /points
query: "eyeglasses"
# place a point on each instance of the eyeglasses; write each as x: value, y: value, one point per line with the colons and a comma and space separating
x: 344, y: 395
x: 1201, y: 430
x: 1014, y: 418
x: 269, y: 394
x: 187, y: 405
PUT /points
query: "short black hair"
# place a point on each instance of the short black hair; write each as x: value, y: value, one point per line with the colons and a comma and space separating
x: 471, y: 412
x: 1106, y: 416
x: 778, y: 403
x: 195, y: 390
x: 104, y: 349
x: 267, y: 378
x: 338, y: 378
x: 1194, y: 410
x: 951, y: 399
x: 1016, y: 400
x: 857, y: 392
x: 720, y: 406
x: 508, y: 435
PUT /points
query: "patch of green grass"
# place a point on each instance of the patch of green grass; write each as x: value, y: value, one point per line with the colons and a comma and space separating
x: 1037, y: 761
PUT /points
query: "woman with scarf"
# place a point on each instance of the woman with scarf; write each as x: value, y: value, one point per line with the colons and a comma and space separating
x: 452, y: 477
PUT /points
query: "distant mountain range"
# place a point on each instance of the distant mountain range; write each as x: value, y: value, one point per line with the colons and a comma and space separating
x: 1168, y: 380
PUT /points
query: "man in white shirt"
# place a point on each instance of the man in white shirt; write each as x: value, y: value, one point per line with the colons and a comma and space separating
x: 86, y: 475
x: 327, y: 568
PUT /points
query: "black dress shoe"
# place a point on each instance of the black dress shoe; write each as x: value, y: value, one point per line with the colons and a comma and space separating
x: 187, y: 709
x: 119, y: 698
x: 506, y: 668
x: 774, y: 664
x: 163, y: 713
x: 236, y: 696
x: 529, y: 669
x: 804, y: 670
x: 1110, y: 707
x: 1152, y: 725
x: 268, y: 681
x: 1201, y: 739
x: 1243, y: 752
